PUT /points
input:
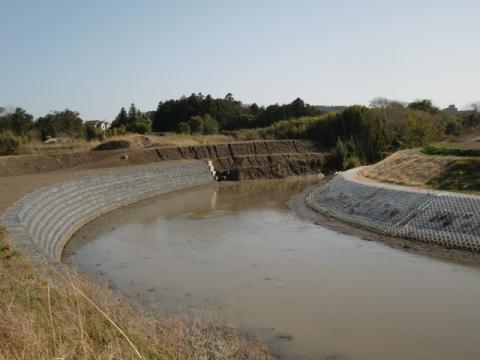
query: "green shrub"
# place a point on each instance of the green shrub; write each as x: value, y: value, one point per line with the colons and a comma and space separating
x: 345, y: 155
x: 196, y: 124
x: 461, y: 175
x: 94, y: 133
x: 445, y: 151
x: 141, y: 125
x: 9, y: 143
x: 210, y: 125
x: 299, y: 128
x: 184, y: 128
x: 453, y: 125
x: 121, y: 130
x: 423, y: 128
x: 65, y: 123
x: 202, y: 124
x: 424, y: 105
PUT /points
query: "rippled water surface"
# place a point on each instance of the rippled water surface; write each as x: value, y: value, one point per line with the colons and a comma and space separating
x: 307, y: 291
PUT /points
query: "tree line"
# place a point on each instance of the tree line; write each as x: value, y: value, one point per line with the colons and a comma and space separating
x: 223, y: 113
x: 361, y: 135
x: 355, y: 135
x: 193, y: 114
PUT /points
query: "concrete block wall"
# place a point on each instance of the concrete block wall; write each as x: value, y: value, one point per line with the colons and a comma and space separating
x: 43, y: 221
x: 443, y: 218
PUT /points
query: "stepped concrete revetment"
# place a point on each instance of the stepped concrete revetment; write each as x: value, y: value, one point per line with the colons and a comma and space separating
x: 43, y: 221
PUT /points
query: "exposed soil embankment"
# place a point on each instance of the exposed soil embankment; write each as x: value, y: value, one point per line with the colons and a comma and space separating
x: 408, y: 167
x: 249, y: 159
x: 441, y: 172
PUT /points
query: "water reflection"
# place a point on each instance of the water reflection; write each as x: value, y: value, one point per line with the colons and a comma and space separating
x: 308, y: 291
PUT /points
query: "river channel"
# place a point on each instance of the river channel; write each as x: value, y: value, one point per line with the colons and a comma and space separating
x: 237, y: 250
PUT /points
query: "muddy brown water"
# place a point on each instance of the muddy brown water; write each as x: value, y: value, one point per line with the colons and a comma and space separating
x: 308, y: 292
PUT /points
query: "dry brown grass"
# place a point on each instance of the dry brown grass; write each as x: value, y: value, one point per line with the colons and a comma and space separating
x: 135, y: 140
x: 66, y: 316
x: 409, y: 168
x: 185, y: 140
x: 470, y: 139
x: 39, y: 147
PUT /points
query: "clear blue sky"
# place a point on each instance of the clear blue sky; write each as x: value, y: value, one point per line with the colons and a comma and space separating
x: 96, y: 56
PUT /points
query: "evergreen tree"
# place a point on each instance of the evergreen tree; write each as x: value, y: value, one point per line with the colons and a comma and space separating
x: 121, y: 119
x: 132, y: 113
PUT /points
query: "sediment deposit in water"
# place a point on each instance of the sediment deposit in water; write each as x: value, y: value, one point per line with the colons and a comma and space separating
x: 448, y: 219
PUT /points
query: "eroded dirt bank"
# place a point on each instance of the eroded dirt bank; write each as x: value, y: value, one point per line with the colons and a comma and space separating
x: 248, y: 158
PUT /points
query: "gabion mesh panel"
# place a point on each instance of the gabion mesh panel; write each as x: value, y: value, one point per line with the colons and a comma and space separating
x: 449, y: 220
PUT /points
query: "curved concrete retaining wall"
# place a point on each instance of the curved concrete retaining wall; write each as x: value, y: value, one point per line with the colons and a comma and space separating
x: 43, y: 221
x: 448, y: 219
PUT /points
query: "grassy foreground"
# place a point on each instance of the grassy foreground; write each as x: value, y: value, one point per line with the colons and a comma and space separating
x: 66, y: 316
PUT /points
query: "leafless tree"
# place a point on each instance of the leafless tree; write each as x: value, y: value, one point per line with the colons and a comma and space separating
x: 475, y: 106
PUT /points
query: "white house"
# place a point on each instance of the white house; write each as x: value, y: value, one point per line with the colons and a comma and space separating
x: 104, y: 125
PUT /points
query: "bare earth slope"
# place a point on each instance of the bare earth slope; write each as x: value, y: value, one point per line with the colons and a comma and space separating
x: 222, y: 155
x: 408, y: 167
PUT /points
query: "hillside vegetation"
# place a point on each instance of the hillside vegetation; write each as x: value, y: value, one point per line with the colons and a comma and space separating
x: 354, y: 135
x: 359, y: 135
